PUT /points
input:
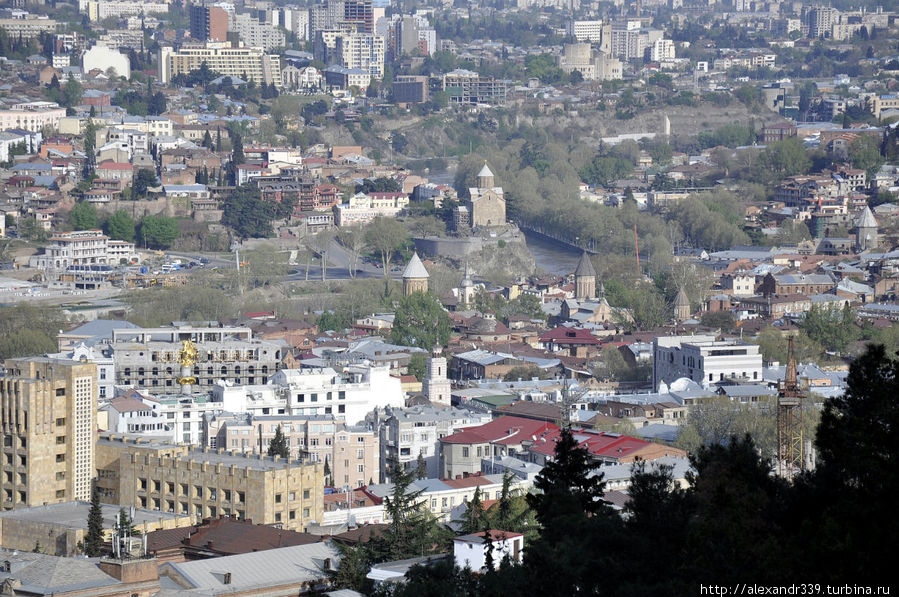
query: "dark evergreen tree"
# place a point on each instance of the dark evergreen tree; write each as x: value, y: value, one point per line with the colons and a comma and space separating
x: 421, y: 468
x: 474, y: 519
x: 93, y: 539
x: 277, y: 446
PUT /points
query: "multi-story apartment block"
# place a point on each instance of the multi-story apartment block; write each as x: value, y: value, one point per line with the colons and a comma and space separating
x: 82, y: 247
x: 352, y: 452
x: 255, y: 34
x: 821, y: 19
x: 407, y: 433
x: 253, y: 64
x: 208, y: 23
x: 361, y: 50
x: 97, y: 10
x: 469, y: 88
x: 595, y: 32
x: 32, y: 116
x: 48, y: 418
x: 704, y: 360
x: 209, y: 483
x: 148, y: 357
x: 662, y: 49
x: 27, y: 28
x: 293, y: 18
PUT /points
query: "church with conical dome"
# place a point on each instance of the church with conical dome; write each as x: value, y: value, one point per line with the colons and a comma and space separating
x: 486, y: 206
x: 415, y: 276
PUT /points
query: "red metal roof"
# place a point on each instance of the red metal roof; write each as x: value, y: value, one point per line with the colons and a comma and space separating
x: 565, y: 335
x: 504, y: 430
x: 598, y: 443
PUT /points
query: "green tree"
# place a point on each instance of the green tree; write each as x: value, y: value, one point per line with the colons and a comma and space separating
x: 248, y: 214
x: 421, y: 321
x: 126, y: 524
x: 386, y: 236
x: 72, y: 92
x: 782, y: 158
x: 83, y: 216
x: 421, y: 467
x: 335, y: 321
x: 569, y: 506
x: 475, y: 518
x: 853, y: 488
x: 120, y: 226
x: 723, y: 320
x: 418, y: 365
x: 864, y: 153
x: 412, y: 530
x: 144, y: 179
x: 93, y: 539
x: 158, y: 232
x: 831, y: 327
x: 277, y: 446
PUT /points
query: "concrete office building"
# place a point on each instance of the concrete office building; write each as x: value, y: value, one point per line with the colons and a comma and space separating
x: 209, y: 483
x: 48, y: 417
x: 704, y: 360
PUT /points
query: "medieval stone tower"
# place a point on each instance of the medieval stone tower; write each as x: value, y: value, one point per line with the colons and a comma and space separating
x: 415, y: 276
x: 866, y: 232
x: 584, y: 279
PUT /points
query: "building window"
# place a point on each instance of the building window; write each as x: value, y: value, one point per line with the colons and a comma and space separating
x: 465, y: 452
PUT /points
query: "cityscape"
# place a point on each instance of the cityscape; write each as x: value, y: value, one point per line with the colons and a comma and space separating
x: 448, y: 297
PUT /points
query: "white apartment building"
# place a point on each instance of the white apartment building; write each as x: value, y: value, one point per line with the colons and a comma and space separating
x: 597, y: 32
x: 408, y: 432
x: 362, y: 208
x: 294, y: 19
x: 253, y: 64
x: 97, y: 10
x: 32, y: 116
x: 704, y: 360
x: 81, y: 247
x: 662, y: 49
x: 255, y: 34
x: 361, y: 50
x: 135, y: 416
x: 347, y: 397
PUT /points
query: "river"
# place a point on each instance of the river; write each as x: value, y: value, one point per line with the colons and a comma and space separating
x: 552, y: 257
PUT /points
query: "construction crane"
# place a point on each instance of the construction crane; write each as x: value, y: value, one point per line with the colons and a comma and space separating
x: 790, y: 459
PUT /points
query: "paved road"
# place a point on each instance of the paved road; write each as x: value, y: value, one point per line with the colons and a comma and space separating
x: 339, y: 267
